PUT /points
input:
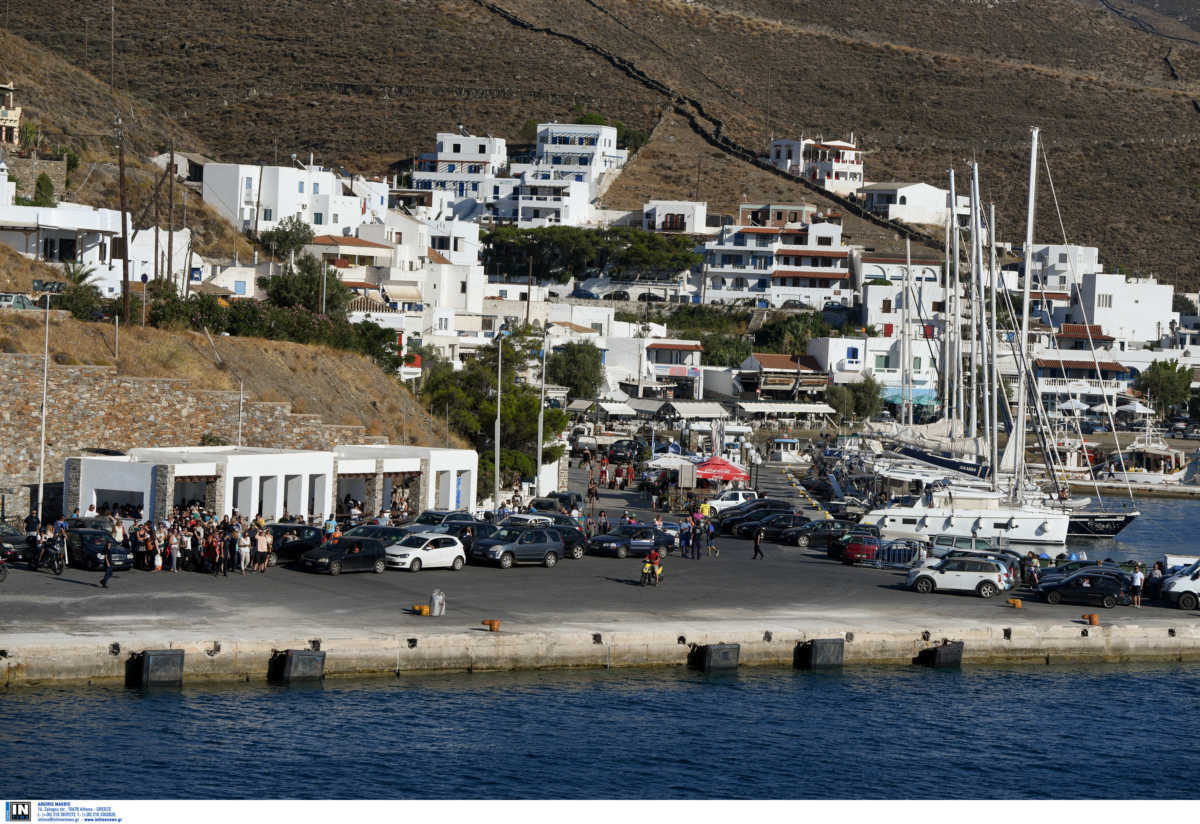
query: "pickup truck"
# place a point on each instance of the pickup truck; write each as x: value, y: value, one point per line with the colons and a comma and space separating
x: 732, y: 497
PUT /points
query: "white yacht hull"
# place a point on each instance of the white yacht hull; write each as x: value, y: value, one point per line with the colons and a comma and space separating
x: 1016, y: 526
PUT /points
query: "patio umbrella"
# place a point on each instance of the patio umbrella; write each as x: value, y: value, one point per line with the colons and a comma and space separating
x: 667, y: 462
x: 1073, y: 406
x: 719, y: 469
x: 1137, y: 408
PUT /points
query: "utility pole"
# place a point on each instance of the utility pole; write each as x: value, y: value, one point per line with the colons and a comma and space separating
x: 241, y: 396
x: 496, y: 467
x: 156, y: 228
x: 171, y: 216
x: 529, y: 292
x: 45, y: 383
x: 324, y: 278
x: 112, y: 49
x: 537, y: 478
x: 124, y: 222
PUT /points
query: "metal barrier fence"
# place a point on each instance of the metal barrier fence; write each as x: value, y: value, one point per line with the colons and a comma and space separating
x: 893, y: 557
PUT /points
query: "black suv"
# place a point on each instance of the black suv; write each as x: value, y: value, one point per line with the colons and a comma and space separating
x: 815, y: 533
x: 85, y: 550
x: 290, y: 541
x: 346, y: 555
x: 511, y: 545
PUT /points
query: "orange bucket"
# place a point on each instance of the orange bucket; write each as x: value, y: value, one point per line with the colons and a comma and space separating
x: 492, y: 625
x: 1093, y: 619
x: 1016, y: 602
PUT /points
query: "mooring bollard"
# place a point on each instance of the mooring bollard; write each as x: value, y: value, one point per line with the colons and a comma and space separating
x: 154, y: 668
x: 942, y: 656
x: 1016, y: 602
x: 819, y: 653
x: 1093, y: 619
x: 492, y: 625
x: 289, y: 665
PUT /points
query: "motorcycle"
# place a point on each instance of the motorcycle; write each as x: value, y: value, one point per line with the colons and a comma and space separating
x: 651, y: 574
x: 54, y: 560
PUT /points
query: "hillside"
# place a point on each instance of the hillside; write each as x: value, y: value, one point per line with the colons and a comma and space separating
x: 340, y: 387
x: 1120, y: 129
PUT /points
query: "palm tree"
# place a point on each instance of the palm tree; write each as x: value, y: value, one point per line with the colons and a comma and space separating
x: 78, y: 274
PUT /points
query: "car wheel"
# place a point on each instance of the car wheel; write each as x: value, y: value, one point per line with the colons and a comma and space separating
x: 415, y: 566
x: 550, y: 560
x: 335, y: 568
x: 458, y: 563
x: 380, y: 566
x: 1109, y: 601
x: 506, y: 560
x: 802, y: 540
x: 1053, y: 597
x: 622, y: 552
x: 924, y: 585
x: 987, y: 590
x: 577, y: 553
x: 1187, y: 601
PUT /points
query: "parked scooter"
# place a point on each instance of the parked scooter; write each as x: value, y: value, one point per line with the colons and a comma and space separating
x: 51, y: 555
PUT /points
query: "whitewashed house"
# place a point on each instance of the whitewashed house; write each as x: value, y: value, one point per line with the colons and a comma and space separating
x: 836, y: 165
x: 913, y: 203
x: 687, y: 217
x: 1130, y: 309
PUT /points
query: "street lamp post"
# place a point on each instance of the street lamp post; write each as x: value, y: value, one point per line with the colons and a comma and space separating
x: 496, y: 468
x: 45, y: 383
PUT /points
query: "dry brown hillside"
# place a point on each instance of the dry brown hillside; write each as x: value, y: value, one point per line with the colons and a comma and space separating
x: 340, y: 387
x: 924, y: 86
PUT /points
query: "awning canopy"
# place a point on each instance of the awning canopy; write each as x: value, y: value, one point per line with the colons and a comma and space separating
x: 698, y: 410
x: 1073, y: 405
x: 719, y: 469
x: 667, y: 461
x: 1137, y: 408
x: 648, y: 406
x: 785, y: 408
x: 402, y: 294
x: 618, y: 408
x: 579, y: 406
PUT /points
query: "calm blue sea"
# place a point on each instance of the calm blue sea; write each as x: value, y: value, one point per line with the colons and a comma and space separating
x: 1017, y: 732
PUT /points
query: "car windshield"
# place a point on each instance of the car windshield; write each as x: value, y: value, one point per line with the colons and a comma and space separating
x: 429, y: 518
x: 414, y: 542
x: 507, y: 534
x: 93, y: 540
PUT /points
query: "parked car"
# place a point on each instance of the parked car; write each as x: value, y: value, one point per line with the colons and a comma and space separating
x: 579, y: 293
x: 625, y: 451
x: 945, y: 543
x: 574, y: 541
x: 619, y: 294
x: 631, y: 539
x: 835, y: 546
x: 290, y: 541
x: 793, y: 303
x: 527, y: 519
x: 861, y: 547
x: 984, y: 578
x: 1009, y: 560
x: 545, y: 505
x: 651, y: 297
x: 346, y: 554
x: 731, y: 498
x: 569, y: 500
x: 815, y: 533
x: 426, y: 550
x: 512, y: 545
x: 1087, y: 587
x: 14, y: 546
x: 759, y: 520
x: 15, y: 300
x: 86, y: 547
x: 433, y: 517
x: 728, y: 520
x: 1183, y: 588
x: 774, y: 525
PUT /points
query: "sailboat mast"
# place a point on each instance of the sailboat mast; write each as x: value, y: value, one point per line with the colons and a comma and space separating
x: 945, y: 358
x: 978, y: 307
x: 956, y: 427
x: 993, y: 376
x: 906, y: 400
x: 1023, y: 335
x: 974, y: 300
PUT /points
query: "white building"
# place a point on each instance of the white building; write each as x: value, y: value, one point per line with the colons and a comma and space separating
x: 74, y: 232
x: 1131, y: 309
x: 256, y: 198
x: 849, y: 360
x: 798, y: 261
x: 913, y: 203
x: 1058, y: 267
x: 465, y: 169
x: 836, y: 165
x: 688, y: 217
x: 570, y: 150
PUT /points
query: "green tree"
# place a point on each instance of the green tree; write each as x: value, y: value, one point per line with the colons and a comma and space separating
x: 78, y: 273
x: 43, y: 191
x: 791, y: 333
x: 1183, y: 305
x: 577, y: 366
x: 1166, y: 384
x: 291, y: 235
x: 724, y: 350
x: 867, y: 398
x: 301, y: 288
x: 841, y: 399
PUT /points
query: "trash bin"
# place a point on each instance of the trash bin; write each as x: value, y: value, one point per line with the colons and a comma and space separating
x: 437, y: 603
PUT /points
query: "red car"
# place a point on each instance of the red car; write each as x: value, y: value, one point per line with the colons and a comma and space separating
x: 860, y: 548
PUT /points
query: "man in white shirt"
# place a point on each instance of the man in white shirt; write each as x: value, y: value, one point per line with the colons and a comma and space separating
x: 1138, y: 580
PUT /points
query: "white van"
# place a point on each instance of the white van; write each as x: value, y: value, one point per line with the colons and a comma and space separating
x: 1183, y: 589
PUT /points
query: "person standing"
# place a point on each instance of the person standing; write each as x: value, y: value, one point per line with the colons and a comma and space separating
x: 685, y: 539
x: 697, y: 541
x: 758, y: 539
x: 243, y: 549
x: 1138, y: 580
x: 107, y: 564
x: 602, y: 524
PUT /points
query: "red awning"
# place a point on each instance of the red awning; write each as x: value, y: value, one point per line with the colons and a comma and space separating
x: 719, y: 469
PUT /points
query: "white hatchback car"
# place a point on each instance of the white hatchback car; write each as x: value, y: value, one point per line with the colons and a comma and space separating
x: 979, y: 575
x: 422, y: 550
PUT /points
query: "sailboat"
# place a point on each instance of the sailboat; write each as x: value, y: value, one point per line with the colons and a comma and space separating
x: 1018, y: 514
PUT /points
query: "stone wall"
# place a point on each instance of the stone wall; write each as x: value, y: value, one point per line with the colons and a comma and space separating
x: 93, y: 408
x: 27, y: 169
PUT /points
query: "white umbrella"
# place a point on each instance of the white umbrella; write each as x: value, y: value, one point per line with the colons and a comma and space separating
x: 666, y: 461
x: 1101, y: 407
x: 1137, y: 408
x: 1073, y: 405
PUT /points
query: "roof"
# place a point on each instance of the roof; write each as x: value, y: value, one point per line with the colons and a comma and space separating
x: 783, y: 408
x: 812, y: 272
x: 678, y: 347
x: 1083, y: 331
x: 618, y: 408
x: 574, y: 327
x: 360, y: 284
x: 579, y: 406
x: 437, y: 257
x: 647, y: 405
x: 1040, y: 295
x: 209, y: 288
x: 884, y: 187
x: 1104, y: 366
x: 698, y: 409
x: 790, y: 363
x: 917, y: 261
x: 758, y: 230
x: 803, y: 251
x: 346, y: 240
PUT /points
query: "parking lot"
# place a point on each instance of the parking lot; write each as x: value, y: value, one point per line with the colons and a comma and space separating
x: 789, y: 584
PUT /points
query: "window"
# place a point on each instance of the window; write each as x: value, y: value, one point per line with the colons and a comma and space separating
x: 443, y: 323
x: 886, y: 307
x: 456, y: 241
x: 482, y: 148
x: 456, y: 148
x: 939, y: 306
x: 316, y: 188
x: 881, y: 361
x: 267, y: 214
x: 318, y: 218
x: 1104, y: 301
x: 440, y: 243
x: 249, y: 183
x: 462, y: 287
x: 852, y: 353
x: 335, y: 217
x: 449, y: 167
x: 824, y: 241
x: 239, y: 287
x: 916, y: 364
x: 1062, y: 257
x: 300, y: 184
